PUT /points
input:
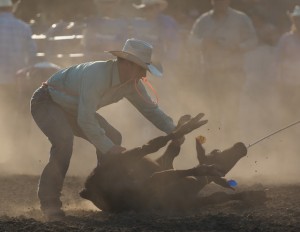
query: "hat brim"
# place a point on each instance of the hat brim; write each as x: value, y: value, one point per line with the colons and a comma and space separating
x: 156, y: 70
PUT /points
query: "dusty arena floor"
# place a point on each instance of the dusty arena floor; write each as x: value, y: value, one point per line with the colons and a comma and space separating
x: 19, y: 211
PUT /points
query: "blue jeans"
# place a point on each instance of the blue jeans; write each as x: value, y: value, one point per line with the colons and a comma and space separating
x: 60, y: 127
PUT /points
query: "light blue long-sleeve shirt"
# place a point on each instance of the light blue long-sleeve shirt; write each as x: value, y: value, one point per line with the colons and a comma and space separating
x: 83, y: 89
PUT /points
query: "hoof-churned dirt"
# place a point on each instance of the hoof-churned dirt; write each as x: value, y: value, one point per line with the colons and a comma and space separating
x: 19, y: 211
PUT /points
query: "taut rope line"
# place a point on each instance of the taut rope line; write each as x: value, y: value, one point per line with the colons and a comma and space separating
x: 268, y: 136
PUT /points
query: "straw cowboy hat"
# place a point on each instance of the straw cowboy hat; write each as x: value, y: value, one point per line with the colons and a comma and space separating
x: 146, y: 3
x: 296, y: 12
x: 6, y: 3
x: 139, y: 52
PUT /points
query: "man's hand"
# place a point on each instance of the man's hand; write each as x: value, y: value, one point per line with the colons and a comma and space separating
x: 116, y: 150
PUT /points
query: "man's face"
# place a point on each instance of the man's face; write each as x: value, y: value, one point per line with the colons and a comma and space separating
x: 138, y: 72
x: 134, y: 71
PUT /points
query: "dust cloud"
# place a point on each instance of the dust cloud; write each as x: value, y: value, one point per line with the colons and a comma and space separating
x: 24, y: 149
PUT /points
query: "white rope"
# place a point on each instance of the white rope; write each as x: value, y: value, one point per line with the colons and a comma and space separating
x: 268, y: 136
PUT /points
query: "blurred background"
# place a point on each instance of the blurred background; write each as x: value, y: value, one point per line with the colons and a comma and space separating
x: 60, y: 30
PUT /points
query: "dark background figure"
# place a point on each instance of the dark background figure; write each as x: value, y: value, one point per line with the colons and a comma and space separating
x: 17, y: 50
x: 153, y: 25
x: 267, y: 32
x: 42, y: 14
x: 221, y: 37
x: 288, y: 64
x: 105, y: 30
x: 183, y: 11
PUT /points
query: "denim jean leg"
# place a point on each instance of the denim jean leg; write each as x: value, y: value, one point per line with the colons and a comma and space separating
x: 54, y: 124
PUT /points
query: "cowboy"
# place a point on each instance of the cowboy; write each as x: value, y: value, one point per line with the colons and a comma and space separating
x: 105, y: 30
x: 66, y: 105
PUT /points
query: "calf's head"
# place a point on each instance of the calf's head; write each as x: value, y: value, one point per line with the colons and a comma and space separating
x: 224, y: 160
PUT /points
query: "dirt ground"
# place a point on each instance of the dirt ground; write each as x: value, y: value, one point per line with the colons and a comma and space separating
x: 19, y: 211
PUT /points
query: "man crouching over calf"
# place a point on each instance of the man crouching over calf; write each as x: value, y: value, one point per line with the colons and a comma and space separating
x: 65, y: 106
